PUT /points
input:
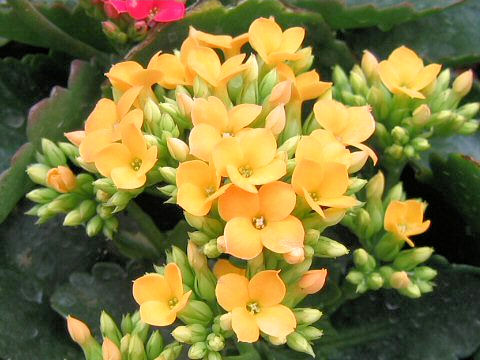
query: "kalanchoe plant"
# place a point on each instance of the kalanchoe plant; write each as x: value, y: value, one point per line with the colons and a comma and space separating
x: 227, y: 137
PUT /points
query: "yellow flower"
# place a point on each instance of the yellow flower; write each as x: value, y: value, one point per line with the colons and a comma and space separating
x: 230, y: 46
x: 212, y: 122
x: 306, y: 86
x: 258, y: 220
x: 206, y: 64
x: 350, y: 125
x: 175, y: 72
x: 127, y: 163
x: 273, y: 45
x: 313, y: 281
x: 223, y: 267
x: 405, y: 218
x: 198, y: 186
x: 103, y: 125
x: 404, y: 73
x: 255, y: 305
x: 61, y: 179
x: 161, y: 297
x: 322, y: 185
x: 250, y: 159
x: 128, y: 74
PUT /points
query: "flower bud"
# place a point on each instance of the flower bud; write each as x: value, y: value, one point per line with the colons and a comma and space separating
x: 94, y: 226
x: 425, y: 273
x: 421, y: 115
x: 106, y: 185
x: 198, y: 238
x: 276, y: 119
x: 75, y: 137
x: 78, y: 331
x: 313, y: 281
x: 87, y: 209
x: 38, y: 173
x: 267, y: 84
x: 53, y: 154
x: 395, y: 152
x: 197, y: 351
x: 110, y: 10
x: 126, y: 325
x: 113, y: 32
x: 179, y: 257
x: 212, y: 250
x: 73, y: 218
x: 311, y: 333
x: 61, y: 179
x: 200, y: 88
x: 190, y: 334
x: 326, y: 247
x: 226, y: 321
x: 185, y: 104
x: 297, y: 342
x: 281, y: 93
x: 374, y: 281
x: 463, y: 83
x: 213, y: 355
x: 235, y: 88
x: 360, y: 258
x: 171, y: 352
x: 376, y: 186
x: 178, y: 149
x: 196, y: 312
x: 311, y: 237
x: 250, y: 74
x: 289, y: 146
x: 138, y: 30
x: 469, y: 110
x: 359, y: 83
x: 369, y: 65
x: 109, y: 329
x: 169, y: 174
x: 307, y: 316
x: 295, y: 256
x: 412, y: 291
x: 42, y: 196
x: 355, y: 277
x: 399, y: 280
x: 215, y: 342
x: 141, y: 329
x: 340, y: 79
x: 110, y: 350
x: 409, y: 259
x: 154, y: 345
x: 277, y: 341
x: 400, y: 135
x: 468, y: 128
x: 168, y: 190
x: 420, y: 144
x: 110, y: 227
x: 355, y: 184
x: 304, y: 63
x: 136, y: 350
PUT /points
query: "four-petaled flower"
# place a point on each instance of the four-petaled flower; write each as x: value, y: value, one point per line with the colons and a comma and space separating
x: 152, y: 10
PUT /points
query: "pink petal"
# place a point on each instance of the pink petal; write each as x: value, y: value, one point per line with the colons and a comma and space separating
x: 169, y: 10
x: 119, y: 5
x: 140, y: 9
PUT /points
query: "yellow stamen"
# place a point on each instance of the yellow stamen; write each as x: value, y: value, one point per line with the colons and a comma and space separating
x: 259, y: 222
x: 172, y: 302
x: 245, y: 171
x: 136, y: 164
x: 253, y: 308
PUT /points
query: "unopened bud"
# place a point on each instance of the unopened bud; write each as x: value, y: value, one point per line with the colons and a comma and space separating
x: 38, y: 173
x: 251, y: 72
x: 297, y: 342
x: 190, y: 334
x: 421, y: 115
x: 198, y: 238
x: 469, y: 127
x: 311, y: 333
x: 42, y: 196
x: 281, y: 93
x: 200, y: 88
x: 267, y: 84
x: 136, y: 350
x: 313, y: 281
x: 399, y: 280
x: 126, y: 325
x: 375, y: 186
x: 463, y: 83
x: 110, y: 350
x: 171, y: 352
x: 197, y: 351
x: 226, y: 321
x: 277, y: 340
x: 196, y: 312
x: 411, y: 291
x: 185, y: 104
x: 178, y: 149
x: 78, y: 331
x: 369, y: 65
x: 61, y: 179
x: 420, y: 144
x: 340, y: 79
x: 275, y: 121
x: 94, y: 226
x: 409, y: 259
x: 400, y: 135
x: 355, y: 277
x: 215, y: 342
x: 355, y: 184
x: 290, y: 146
x: 359, y: 83
x: 295, y: 256
x: 374, y: 281
x: 154, y: 345
x: 303, y: 64
x: 425, y: 273
x: 109, y: 329
x: 307, y: 316
x: 211, y: 249
x: 311, y: 237
x: 326, y: 247
x: 53, y: 154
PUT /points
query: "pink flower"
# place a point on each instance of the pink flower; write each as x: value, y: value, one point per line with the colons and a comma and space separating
x: 156, y: 10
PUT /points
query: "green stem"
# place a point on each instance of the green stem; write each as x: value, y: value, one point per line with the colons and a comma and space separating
x: 148, y: 227
x: 30, y: 17
x: 247, y: 352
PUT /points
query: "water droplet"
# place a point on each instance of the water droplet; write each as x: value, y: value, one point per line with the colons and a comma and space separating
x: 30, y: 333
x: 66, y: 300
x: 14, y: 119
x: 391, y: 305
x: 32, y: 292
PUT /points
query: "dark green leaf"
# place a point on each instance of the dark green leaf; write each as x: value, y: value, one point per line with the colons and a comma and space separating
x: 213, y: 17
x: 109, y: 288
x: 348, y: 14
x: 449, y: 37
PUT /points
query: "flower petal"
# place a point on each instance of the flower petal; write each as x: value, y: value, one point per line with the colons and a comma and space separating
x: 193, y: 199
x: 202, y: 140
x: 361, y: 125
x: 270, y: 172
x: 227, y: 152
x: 148, y: 160
x: 277, y: 200
x: 169, y: 11
x: 232, y: 291
x: 309, y: 86
x: 265, y: 36
x: 292, y: 39
x: 151, y: 287
x: 103, y: 116
x: 425, y: 77
x: 389, y: 75
x: 139, y: 9
x: 241, y: 181
x: 283, y: 236
x: 258, y: 146
x: 335, y: 181
x: 133, y: 139
x: 126, y: 101
x: 93, y: 143
x: 127, y: 178
x: 111, y: 157
x: 244, y: 325
x: 196, y: 172
x: 278, y: 321
x: 267, y: 288
x: 243, y: 115
x: 205, y: 62
x: 173, y: 277
x: 242, y: 240
x: 331, y: 115
x: 307, y: 175
x: 211, y: 111
x: 223, y: 267
x: 236, y: 202
x: 157, y: 313
x: 121, y: 74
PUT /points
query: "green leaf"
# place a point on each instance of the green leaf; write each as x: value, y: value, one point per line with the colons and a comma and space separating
x: 342, y: 14
x: 53, y: 26
x: 29, y: 328
x: 442, y: 325
x: 448, y: 37
x: 47, y: 252
x: 109, y: 287
x: 212, y: 17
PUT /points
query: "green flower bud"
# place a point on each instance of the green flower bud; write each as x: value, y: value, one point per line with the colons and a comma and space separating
x: 421, y: 115
x: 409, y: 259
x: 374, y: 281
x: 94, y: 226
x: 409, y: 152
x: 353, y: 100
x: 106, y: 185
x: 136, y: 350
x: 400, y: 135
x: 215, y: 342
x: 141, y: 329
x: 171, y: 352
x: 70, y: 150
x: 104, y: 211
x: 110, y: 227
x: 168, y: 190
x: 109, y: 329
x: 395, y: 152
x: 386, y: 273
x: 355, y: 184
x: 376, y: 186
x: 424, y: 286
x: 151, y: 114
x: 443, y: 81
x: 358, y: 82
x: 196, y: 312
x: 291, y: 163
x: 213, y: 355
x: 425, y: 273
x: 211, y: 250
x: 311, y: 333
x: 33, y: 211
x: 249, y: 94
x: 178, y: 149
x: 102, y: 196
x: 395, y: 193
x: 355, y: 277
x: 124, y: 343
x: 290, y: 145
x: 53, y: 154
x: 185, y: 334
x: 297, y: 342
x: 235, y: 87
x: 126, y: 324
x: 73, y: 218
x: 197, y: 351
x: 38, y: 173
x: 468, y: 128
x: 340, y: 79
x: 420, y: 144
x: 307, y: 316
x: 277, y: 341
x: 64, y: 203
x: 179, y: 257
x: 361, y: 258
x: 463, y: 83
x: 154, y: 345
x: 326, y: 247
x: 469, y: 110
x: 369, y: 65
x: 198, y: 237
x: 87, y: 209
x: 119, y: 200
x: 388, y: 247
x: 42, y: 196
x: 200, y: 88
x: 399, y: 280
x: 411, y: 291
x: 205, y: 283
x: 311, y: 237
x: 267, y: 84
x: 225, y: 322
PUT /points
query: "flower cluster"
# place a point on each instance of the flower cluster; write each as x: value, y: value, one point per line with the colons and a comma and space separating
x: 230, y: 138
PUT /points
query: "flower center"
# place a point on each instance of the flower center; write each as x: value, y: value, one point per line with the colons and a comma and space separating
x: 227, y: 134
x: 136, y: 164
x: 210, y: 190
x: 172, y: 302
x: 253, y: 307
x: 258, y: 222
x: 246, y: 171
x: 314, y: 196
x: 402, y: 228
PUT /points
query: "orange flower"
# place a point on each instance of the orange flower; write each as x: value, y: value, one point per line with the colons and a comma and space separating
x: 350, y: 125
x: 404, y: 73
x: 255, y: 305
x: 230, y: 46
x: 212, y: 122
x: 322, y: 185
x: 223, y: 267
x: 103, y: 126
x: 198, y: 186
x: 175, y: 72
x: 161, y: 297
x: 127, y: 163
x: 258, y: 220
x: 313, y: 281
x: 61, y: 179
x: 206, y: 64
x: 273, y: 45
x: 250, y: 159
x: 306, y: 86
x: 405, y: 218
